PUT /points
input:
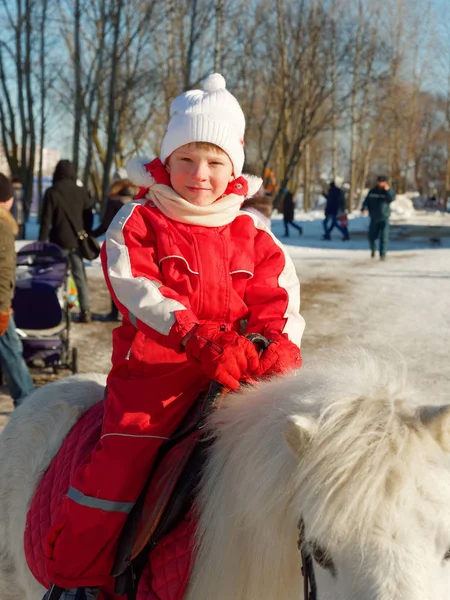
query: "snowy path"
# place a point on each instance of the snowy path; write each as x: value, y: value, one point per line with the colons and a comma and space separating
x: 402, y: 303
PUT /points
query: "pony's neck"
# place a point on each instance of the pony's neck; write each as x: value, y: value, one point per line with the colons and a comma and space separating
x: 247, y: 530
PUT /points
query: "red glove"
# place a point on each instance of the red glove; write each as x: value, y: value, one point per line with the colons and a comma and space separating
x: 281, y: 356
x: 4, y: 320
x: 225, y: 356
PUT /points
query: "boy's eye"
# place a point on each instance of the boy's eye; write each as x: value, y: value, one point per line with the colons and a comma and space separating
x: 215, y: 162
x: 186, y: 159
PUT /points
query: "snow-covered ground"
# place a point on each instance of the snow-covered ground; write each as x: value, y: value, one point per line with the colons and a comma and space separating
x: 347, y: 297
x: 403, y: 303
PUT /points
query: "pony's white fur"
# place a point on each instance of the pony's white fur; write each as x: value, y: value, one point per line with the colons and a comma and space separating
x: 28, y: 443
x: 344, y: 444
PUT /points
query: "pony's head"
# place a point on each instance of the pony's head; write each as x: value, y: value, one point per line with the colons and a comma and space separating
x: 372, y: 487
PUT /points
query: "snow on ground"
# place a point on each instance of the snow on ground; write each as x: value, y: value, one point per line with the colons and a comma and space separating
x: 347, y: 297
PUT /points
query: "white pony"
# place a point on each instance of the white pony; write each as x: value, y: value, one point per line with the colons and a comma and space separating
x: 344, y: 446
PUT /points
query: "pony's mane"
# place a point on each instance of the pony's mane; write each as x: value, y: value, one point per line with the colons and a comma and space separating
x: 358, y: 461
x: 363, y: 462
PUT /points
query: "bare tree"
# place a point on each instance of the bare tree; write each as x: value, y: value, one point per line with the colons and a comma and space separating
x: 19, y: 102
x: 354, y: 107
x: 78, y: 97
x: 43, y: 94
x: 218, y: 37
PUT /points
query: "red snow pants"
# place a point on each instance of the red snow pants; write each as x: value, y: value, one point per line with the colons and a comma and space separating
x: 140, y: 413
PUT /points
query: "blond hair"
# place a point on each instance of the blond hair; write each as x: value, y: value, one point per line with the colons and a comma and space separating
x: 207, y: 146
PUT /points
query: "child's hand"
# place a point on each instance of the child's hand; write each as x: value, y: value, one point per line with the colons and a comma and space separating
x: 224, y: 356
x: 280, y: 357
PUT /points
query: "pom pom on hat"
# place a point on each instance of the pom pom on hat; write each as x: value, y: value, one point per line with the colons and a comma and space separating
x: 214, y: 82
x: 211, y: 115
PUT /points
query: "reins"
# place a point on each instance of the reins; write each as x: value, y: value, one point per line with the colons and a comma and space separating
x: 309, y: 580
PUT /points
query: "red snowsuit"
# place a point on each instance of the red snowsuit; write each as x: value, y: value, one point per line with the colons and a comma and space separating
x: 165, y: 276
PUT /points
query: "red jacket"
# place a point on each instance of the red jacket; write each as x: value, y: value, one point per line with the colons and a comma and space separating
x: 166, y: 276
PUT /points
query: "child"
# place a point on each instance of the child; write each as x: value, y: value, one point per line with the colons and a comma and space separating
x: 185, y: 267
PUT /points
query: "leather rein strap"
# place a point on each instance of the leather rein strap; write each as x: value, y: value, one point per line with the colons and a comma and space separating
x: 309, y: 580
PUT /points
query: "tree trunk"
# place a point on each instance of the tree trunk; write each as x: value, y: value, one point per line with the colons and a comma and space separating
x: 111, y: 133
x: 447, y: 164
x: 8, y: 123
x: 29, y: 111
x: 191, y: 46
x: 170, y: 86
x: 218, y: 37
x: 93, y: 96
x: 354, y: 112
x: 334, y: 119
x: 307, y: 179
x: 78, y: 108
x: 43, y: 95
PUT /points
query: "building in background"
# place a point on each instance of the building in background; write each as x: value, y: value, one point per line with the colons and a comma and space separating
x: 50, y: 158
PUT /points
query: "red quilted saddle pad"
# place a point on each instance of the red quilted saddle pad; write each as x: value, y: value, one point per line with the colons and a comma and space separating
x: 54, y: 485
x: 170, y: 561
x: 169, y: 570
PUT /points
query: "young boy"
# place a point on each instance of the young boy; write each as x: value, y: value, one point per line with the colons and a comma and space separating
x: 186, y: 268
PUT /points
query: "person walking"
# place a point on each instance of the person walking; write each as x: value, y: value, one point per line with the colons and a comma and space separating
x: 378, y: 205
x: 120, y: 193
x: 67, y: 208
x: 288, y: 213
x: 18, y: 208
x: 334, y: 208
x: 13, y: 366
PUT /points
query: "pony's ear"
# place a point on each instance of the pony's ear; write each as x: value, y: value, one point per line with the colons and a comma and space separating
x: 298, y: 431
x: 437, y: 420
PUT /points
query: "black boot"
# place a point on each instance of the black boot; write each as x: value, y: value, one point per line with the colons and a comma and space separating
x: 82, y: 593
x: 85, y: 316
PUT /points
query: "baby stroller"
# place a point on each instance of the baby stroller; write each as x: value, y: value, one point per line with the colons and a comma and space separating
x: 41, y: 307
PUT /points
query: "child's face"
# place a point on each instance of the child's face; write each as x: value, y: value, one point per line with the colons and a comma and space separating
x: 199, y: 175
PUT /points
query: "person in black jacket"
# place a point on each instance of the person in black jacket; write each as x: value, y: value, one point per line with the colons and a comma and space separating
x: 67, y: 209
x: 334, y: 207
x: 121, y: 192
x: 378, y: 203
x: 288, y: 213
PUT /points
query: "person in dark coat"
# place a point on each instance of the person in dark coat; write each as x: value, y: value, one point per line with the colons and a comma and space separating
x: 378, y: 204
x: 288, y: 213
x: 67, y: 209
x: 120, y: 193
x: 334, y: 207
x: 18, y: 209
x: 13, y: 366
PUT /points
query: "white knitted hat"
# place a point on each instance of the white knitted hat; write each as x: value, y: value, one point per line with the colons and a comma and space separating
x: 208, y: 115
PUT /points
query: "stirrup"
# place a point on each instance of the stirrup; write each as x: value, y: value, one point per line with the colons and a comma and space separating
x: 54, y: 593
x: 82, y: 593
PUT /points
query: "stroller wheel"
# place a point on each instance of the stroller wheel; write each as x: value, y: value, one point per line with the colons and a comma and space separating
x: 74, y: 360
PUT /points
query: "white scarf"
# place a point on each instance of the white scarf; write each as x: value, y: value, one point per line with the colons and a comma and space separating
x: 221, y: 212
